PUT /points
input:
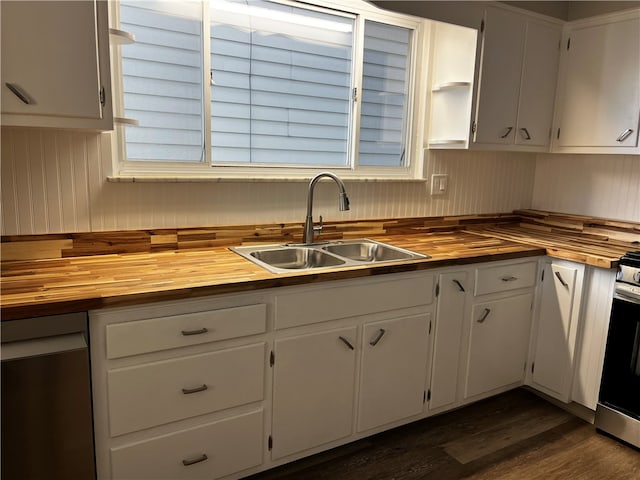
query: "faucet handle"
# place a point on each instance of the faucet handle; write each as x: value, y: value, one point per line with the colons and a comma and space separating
x: 318, y: 228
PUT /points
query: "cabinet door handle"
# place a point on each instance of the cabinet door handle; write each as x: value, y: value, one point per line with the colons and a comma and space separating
x: 201, y: 388
x: 192, y: 461
x: 19, y: 92
x: 346, y: 342
x: 375, y: 341
x: 526, y: 132
x: 459, y: 285
x: 507, y: 132
x: 564, y: 284
x: 623, y: 136
x: 200, y: 331
x: 484, y: 316
x: 509, y: 278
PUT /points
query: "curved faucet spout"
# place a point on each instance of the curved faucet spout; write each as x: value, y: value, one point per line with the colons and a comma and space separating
x: 343, y: 204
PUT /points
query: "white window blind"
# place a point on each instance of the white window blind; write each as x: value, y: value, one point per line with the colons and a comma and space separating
x: 162, y: 80
x: 384, y: 95
x: 282, y: 84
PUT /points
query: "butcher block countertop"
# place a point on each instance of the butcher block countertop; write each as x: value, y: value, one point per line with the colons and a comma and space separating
x: 47, y: 286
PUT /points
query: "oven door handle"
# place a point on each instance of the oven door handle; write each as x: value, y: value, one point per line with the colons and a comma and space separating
x: 625, y: 298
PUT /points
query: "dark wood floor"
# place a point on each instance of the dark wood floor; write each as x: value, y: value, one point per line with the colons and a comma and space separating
x: 515, y: 435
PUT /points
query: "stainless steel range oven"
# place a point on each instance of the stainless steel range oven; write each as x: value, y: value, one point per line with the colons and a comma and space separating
x: 618, y: 410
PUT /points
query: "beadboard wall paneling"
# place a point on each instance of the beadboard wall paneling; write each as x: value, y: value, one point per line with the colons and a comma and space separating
x: 597, y: 185
x: 55, y: 181
x: 44, y: 180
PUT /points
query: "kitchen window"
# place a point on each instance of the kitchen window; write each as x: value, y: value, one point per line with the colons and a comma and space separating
x: 261, y: 88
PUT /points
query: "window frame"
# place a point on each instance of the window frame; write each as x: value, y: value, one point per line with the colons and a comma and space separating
x: 124, y: 169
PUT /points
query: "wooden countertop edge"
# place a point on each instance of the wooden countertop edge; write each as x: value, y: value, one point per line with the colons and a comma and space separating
x: 48, y: 307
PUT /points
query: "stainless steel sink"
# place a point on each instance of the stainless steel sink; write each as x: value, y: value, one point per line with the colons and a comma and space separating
x: 291, y: 257
x: 296, y: 258
x: 370, y: 251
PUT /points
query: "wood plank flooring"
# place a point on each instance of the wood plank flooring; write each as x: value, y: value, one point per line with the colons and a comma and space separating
x: 516, y: 435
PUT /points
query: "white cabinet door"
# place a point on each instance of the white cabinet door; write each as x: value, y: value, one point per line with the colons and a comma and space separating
x: 452, y: 294
x: 556, y: 328
x: 497, y: 106
x: 313, y: 390
x: 538, y: 85
x: 498, y: 343
x: 600, y: 102
x: 394, y: 370
x: 595, y: 311
x: 52, y: 71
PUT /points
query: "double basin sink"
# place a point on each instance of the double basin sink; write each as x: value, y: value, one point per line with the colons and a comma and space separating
x: 299, y: 257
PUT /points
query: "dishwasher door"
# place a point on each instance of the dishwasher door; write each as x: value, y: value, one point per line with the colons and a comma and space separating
x: 47, y: 427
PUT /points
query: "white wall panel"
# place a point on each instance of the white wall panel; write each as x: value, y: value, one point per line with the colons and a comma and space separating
x: 55, y: 181
x: 597, y: 185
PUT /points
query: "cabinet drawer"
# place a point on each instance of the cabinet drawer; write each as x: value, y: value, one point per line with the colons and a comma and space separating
x: 230, y: 445
x: 161, y: 392
x: 330, y: 303
x: 503, y: 278
x: 154, y: 334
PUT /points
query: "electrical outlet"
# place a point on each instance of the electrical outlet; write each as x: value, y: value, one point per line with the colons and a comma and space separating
x: 439, y: 184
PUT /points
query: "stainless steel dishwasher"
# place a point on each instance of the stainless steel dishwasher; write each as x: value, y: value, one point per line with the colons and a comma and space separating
x: 47, y: 427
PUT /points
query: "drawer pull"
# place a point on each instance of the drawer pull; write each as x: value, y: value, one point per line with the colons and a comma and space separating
x: 200, y: 331
x: 346, y: 342
x: 510, y: 278
x: 507, y: 132
x: 459, y: 285
x: 19, y: 92
x: 193, y: 461
x: 623, y: 136
x: 484, y: 316
x: 375, y: 341
x: 564, y: 284
x: 201, y: 388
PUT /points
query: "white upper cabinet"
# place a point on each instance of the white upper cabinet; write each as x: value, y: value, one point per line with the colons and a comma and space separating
x: 498, y: 89
x: 509, y: 103
x: 538, y: 85
x: 517, y: 82
x: 55, y: 65
x: 598, y: 107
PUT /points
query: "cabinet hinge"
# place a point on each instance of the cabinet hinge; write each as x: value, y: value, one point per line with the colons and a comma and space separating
x: 429, y: 327
x: 533, y: 367
x: 437, y: 289
x: 482, y: 26
x: 272, y: 358
x: 424, y: 397
x: 542, y: 279
x: 558, y: 135
x: 428, y: 395
x: 103, y: 97
x: 568, y: 43
x: 270, y: 442
x: 474, y: 126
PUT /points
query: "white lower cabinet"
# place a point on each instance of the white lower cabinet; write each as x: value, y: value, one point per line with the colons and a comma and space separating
x: 313, y: 389
x: 227, y: 386
x: 180, y: 388
x: 556, y: 327
x: 349, y: 358
x: 498, y: 344
x: 394, y: 370
x: 452, y: 297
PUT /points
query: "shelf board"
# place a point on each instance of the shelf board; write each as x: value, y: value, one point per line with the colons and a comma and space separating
x: 449, y: 86
x: 120, y: 37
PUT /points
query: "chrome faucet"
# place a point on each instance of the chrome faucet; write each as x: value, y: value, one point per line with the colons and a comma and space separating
x: 343, y: 204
